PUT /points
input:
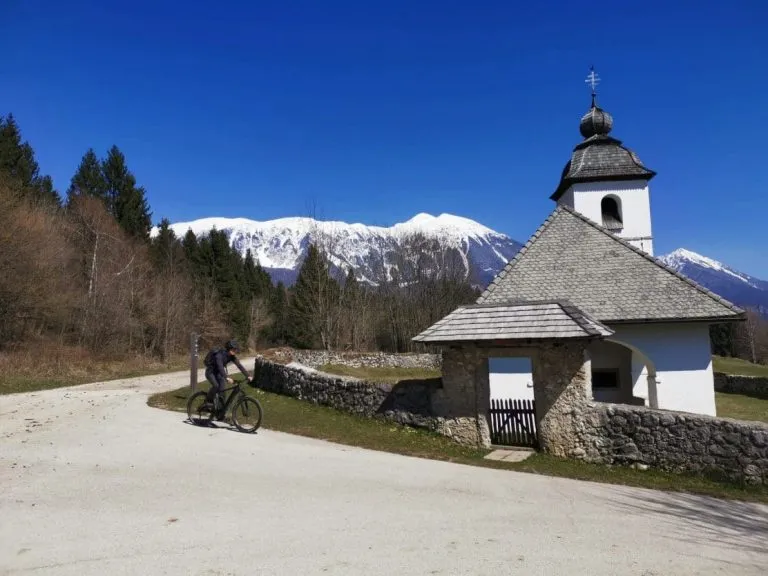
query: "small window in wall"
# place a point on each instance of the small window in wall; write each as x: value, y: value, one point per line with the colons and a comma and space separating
x: 610, y: 207
x: 605, y: 378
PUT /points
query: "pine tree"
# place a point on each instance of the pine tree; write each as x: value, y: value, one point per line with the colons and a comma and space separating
x: 257, y: 280
x: 89, y: 179
x: 133, y: 213
x: 192, y: 253
x: 278, y: 332
x: 125, y: 201
x: 17, y: 162
x: 164, y: 246
x: 315, y: 298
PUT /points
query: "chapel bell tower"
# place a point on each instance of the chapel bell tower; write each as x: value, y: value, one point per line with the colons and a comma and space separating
x: 605, y: 181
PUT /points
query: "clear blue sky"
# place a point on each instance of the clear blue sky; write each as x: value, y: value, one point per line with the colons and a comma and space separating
x: 373, y: 111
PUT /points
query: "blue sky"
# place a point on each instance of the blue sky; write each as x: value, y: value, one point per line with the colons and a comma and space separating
x: 374, y: 111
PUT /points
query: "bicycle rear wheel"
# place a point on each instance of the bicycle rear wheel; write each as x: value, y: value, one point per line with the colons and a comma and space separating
x: 246, y: 414
x: 199, y: 414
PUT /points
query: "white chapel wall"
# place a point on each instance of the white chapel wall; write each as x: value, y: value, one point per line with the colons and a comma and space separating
x: 682, y: 358
x: 586, y: 197
x: 610, y: 356
x: 510, y: 378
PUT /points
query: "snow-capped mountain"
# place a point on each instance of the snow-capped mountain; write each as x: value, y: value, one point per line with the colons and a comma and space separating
x: 375, y: 253
x: 737, y: 287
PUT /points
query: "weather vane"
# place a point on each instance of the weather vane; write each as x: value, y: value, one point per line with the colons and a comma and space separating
x: 593, y: 80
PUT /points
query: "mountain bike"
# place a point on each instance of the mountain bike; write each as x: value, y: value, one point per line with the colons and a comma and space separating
x: 246, y: 411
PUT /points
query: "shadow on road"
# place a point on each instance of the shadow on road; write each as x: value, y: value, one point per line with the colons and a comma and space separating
x: 713, y: 521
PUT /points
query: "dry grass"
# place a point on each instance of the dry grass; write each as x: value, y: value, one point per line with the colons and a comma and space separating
x: 739, y: 367
x: 741, y: 407
x: 44, y: 366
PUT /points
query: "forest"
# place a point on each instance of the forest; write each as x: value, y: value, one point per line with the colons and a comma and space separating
x: 81, y: 271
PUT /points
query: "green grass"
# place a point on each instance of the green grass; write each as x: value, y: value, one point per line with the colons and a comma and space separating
x: 741, y: 407
x: 303, y: 418
x: 739, y: 367
x: 380, y: 374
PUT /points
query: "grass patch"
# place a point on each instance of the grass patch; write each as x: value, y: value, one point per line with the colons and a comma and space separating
x: 303, y: 418
x: 738, y: 367
x: 380, y: 374
x: 741, y: 407
x: 56, y: 368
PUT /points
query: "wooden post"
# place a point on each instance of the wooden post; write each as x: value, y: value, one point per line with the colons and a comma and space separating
x: 193, y: 354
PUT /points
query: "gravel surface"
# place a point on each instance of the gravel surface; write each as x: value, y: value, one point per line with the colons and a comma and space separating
x: 96, y: 482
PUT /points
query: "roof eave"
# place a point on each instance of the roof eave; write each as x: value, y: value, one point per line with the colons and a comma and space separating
x: 566, y: 183
x: 703, y: 319
x: 507, y: 341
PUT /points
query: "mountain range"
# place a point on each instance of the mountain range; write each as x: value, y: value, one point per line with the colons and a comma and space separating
x: 376, y: 253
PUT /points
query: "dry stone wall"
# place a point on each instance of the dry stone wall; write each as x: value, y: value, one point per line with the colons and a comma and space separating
x: 748, y: 385
x: 676, y: 441
x: 318, y: 358
x: 407, y: 402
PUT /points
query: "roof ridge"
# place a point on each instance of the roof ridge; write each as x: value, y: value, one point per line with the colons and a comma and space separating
x: 512, y: 303
x: 535, y: 236
x: 659, y: 263
x: 580, y: 317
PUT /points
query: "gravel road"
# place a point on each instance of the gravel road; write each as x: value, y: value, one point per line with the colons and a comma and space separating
x: 96, y: 482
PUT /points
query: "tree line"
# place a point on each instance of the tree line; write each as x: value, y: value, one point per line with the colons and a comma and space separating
x: 83, y: 269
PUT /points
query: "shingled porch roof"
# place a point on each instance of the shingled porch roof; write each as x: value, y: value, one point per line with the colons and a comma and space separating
x: 514, y: 321
x: 570, y: 258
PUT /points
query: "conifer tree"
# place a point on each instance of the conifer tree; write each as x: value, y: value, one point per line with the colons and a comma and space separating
x: 191, y: 253
x: 163, y: 247
x: 125, y: 201
x: 89, y: 179
x: 315, y: 297
x: 278, y: 332
x: 17, y: 162
x: 256, y: 278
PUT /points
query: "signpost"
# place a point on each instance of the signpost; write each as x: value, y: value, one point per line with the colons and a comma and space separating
x: 193, y: 355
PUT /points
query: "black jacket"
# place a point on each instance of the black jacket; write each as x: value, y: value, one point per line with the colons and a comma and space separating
x: 220, y: 360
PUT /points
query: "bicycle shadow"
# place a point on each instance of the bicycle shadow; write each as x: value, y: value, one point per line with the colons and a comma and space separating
x: 216, y: 425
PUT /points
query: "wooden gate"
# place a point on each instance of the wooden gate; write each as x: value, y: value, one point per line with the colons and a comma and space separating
x: 513, y: 422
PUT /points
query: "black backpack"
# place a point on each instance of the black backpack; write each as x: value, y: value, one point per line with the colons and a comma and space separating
x: 208, y: 360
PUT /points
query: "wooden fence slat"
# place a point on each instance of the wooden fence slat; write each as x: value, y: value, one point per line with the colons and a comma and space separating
x: 513, y: 422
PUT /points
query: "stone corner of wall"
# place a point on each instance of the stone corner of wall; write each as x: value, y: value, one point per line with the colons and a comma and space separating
x: 676, y: 441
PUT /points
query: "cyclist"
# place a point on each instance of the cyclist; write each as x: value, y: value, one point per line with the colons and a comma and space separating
x: 216, y: 369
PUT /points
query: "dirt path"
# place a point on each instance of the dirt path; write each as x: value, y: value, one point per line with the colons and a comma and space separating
x: 95, y: 482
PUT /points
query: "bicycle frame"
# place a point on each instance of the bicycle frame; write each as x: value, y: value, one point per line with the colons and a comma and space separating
x: 228, y: 400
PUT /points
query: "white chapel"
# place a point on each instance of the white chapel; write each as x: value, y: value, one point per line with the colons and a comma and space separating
x: 591, y: 262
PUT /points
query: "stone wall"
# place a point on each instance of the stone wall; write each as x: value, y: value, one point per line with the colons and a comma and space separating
x: 562, y: 388
x: 462, y: 402
x: 569, y: 423
x: 318, y: 358
x: 675, y: 441
x: 748, y: 385
x: 407, y: 402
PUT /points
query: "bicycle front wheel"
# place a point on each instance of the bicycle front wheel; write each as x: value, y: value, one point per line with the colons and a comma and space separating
x: 199, y: 414
x: 246, y: 414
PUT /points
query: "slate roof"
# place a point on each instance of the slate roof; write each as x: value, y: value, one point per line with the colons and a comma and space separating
x: 572, y: 258
x: 515, y: 321
x: 601, y: 158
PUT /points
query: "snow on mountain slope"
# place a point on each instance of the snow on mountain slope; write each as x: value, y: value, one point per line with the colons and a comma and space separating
x: 372, y: 251
x: 737, y: 287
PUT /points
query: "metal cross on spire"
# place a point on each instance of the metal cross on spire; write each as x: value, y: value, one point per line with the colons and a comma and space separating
x: 593, y: 80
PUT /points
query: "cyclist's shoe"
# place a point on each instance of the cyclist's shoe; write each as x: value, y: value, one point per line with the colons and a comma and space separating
x: 206, y: 407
